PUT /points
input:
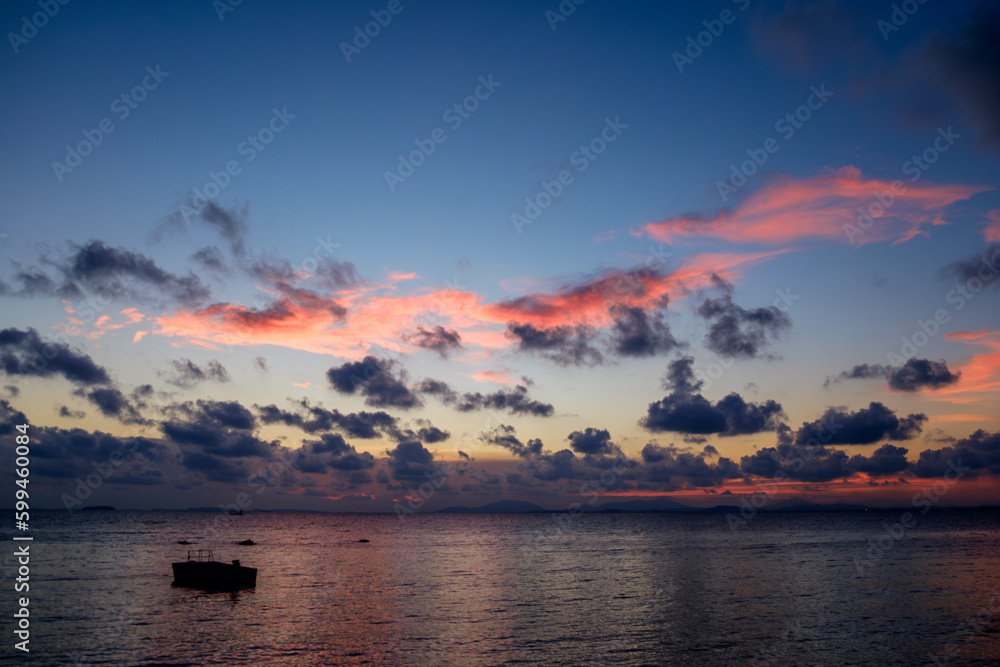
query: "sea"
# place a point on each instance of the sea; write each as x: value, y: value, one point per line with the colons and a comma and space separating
x: 807, y: 588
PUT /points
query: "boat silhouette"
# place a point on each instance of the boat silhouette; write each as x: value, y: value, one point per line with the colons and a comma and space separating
x: 200, y: 570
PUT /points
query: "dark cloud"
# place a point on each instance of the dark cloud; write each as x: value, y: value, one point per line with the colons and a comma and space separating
x: 260, y: 363
x: 112, y: 402
x: 12, y: 390
x: 867, y: 426
x: 425, y: 432
x: 809, y: 37
x: 437, y: 388
x: 331, y: 452
x: 666, y: 464
x: 504, y: 436
x: 118, y: 273
x: 976, y: 272
x: 411, y: 462
x: 913, y: 375
x: 978, y: 453
x: 438, y: 339
x: 71, y: 414
x: 210, y: 257
x: 328, y: 273
x: 965, y: 64
x: 886, y: 460
x: 565, y: 345
x: 517, y: 401
x: 638, y: 333
x: 187, y: 374
x: 217, y: 414
x: 684, y: 411
x: 10, y: 417
x: 25, y: 353
x: 737, y: 332
x: 918, y: 374
x: 316, y: 419
x: 68, y: 454
x: 592, y: 441
x: 381, y: 381
x: 230, y: 224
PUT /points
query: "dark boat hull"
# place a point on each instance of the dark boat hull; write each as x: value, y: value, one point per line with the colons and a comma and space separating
x: 214, y: 575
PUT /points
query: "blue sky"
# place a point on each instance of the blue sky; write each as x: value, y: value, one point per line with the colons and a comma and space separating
x: 651, y: 198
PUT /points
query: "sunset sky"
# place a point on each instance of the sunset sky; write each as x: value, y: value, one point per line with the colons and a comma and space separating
x: 500, y: 249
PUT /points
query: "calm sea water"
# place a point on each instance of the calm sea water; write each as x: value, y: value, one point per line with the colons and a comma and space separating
x: 517, y: 589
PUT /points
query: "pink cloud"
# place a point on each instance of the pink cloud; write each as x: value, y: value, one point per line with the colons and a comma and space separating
x: 832, y: 206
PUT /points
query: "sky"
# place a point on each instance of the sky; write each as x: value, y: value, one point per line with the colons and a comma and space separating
x: 409, y: 255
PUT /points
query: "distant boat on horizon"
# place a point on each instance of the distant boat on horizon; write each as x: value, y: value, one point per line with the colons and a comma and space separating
x: 200, y: 570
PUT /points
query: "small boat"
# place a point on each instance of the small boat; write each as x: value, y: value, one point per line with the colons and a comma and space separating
x: 200, y: 570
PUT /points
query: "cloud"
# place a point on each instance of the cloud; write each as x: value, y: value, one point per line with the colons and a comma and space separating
x: 685, y: 411
x: 517, y: 401
x: 822, y: 207
x: 317, y: 419
x: 914, y: 375
x: 115, y: 272
x: 349, y: 321
x: 664, y: 464
x: 331, y: 452
x: 26, y: 353
x: 71, y: 414
x: 10, y: 417
x: 737, y: 332
x: 866, y: 426
x: 592, y: 441
x: 965, y: 65
x: 976, y: 272
x: 411, y: 462
x: 210, y: 257
x: 230, y: 224
x: 438, y: 339
x: 979, y: 452
x: 381, y: 381
x: 886, y: 460
x: 505, y: 436
x: 565, y: 345
x: 638, y: 333
x: 112, y: 402
x: 188, y: 374
x: 260, y: 363
x: 809, y: 38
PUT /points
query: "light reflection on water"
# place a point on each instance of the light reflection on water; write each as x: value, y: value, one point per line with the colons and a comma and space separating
x: 481, y: 590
